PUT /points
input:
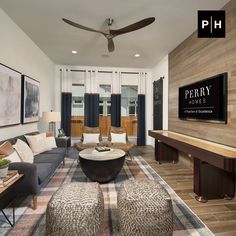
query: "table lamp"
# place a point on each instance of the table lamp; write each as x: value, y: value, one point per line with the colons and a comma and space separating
x: 52, y: 117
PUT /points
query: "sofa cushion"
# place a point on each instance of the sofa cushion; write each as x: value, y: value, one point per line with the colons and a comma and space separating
x: 90, y: 138
x: 118, y: 138
x: 44, y: 170
x: 117, y: 130
x: 91, y: 130
x: 125, y: 147
x: 22, y: 137
x: 24, y: 151
x: 37, y: 143
x: 51, y: 142
x: 80, y: 146
x: 54, y: 159
x: 60, y: 150
x: 14, y: 157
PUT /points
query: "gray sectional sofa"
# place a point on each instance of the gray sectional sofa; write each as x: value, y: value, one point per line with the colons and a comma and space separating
x: 37, y: 174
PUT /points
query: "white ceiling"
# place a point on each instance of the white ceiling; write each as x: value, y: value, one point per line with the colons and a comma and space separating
x: 41, y: 21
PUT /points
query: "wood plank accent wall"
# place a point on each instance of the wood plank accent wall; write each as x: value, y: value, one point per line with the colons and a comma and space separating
x: 196, y: 59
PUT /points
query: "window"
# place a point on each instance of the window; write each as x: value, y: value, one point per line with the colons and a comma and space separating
x: 77, y: 109
x: 129, y: 97
x: 129, y: 102
x: 104, y: 109
x: 77, y: 100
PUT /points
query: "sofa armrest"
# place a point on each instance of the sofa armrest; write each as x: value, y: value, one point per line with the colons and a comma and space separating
x: 28, y: 184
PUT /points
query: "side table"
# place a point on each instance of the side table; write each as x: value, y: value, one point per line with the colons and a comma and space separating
x: 3, y: 193
x: 63, y: 142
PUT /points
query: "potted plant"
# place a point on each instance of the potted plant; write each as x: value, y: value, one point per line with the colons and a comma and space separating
x: 4, y: 163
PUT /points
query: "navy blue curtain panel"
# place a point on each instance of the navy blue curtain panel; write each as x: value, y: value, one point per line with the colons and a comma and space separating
x: 66, y: 100
x: 91, y: 110
x: 115, y: 110
x: 141, y: 134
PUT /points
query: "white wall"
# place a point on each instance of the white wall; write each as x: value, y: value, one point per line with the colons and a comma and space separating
x: 160, y: 70
x: 19, y: 52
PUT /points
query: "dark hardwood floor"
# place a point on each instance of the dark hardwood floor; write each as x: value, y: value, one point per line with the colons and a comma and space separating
x: 218, y: 215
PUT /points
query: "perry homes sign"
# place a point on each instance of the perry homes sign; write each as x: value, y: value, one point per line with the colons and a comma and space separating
x: 204, y: 100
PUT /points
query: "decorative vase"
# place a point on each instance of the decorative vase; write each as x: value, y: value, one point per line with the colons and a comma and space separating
x: 3, y: 171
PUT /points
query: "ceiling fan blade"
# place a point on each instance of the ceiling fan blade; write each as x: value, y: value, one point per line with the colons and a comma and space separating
x: 111, y: 46
x: 138, y: 25
x: 81, y: 26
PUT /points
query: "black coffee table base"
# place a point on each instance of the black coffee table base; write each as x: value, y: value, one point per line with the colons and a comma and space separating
x: 101, y: 171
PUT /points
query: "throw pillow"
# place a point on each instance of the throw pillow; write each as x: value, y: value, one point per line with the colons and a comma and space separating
x: 118, y: 138
x: 6, y: 148
x: 90, y: 138
x: 14, y: 157
x: 51, y: 142
x: 24, y: 151
x: 37, y: 143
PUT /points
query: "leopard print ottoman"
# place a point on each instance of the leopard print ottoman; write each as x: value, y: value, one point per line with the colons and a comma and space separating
x: 75, y: 209
x: 144, y: 208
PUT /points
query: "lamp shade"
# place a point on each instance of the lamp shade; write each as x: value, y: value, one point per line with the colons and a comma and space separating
x: 52, y: 116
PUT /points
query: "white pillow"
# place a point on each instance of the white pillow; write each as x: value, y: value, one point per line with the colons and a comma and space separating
x: 51, y: 142
x: 24, y: 151
x: 37, y: 143
x: 90, y: 138
x: 14, y: 157
x: 118, y: 138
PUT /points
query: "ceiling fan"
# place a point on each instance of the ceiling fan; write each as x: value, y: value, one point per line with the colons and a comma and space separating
x: 110, y: 34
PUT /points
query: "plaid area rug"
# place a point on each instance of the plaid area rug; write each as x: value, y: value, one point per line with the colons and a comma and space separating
x: 27, y: 219
x: 32, y: 222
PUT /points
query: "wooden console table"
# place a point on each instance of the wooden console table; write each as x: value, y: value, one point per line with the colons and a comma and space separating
x: 214, y: 164
x: 3, y: 192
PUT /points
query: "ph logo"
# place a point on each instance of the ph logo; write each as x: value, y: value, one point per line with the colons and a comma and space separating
x: 211, y: 24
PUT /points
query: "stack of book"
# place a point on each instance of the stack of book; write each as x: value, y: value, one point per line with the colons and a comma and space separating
x: 11, y: 175
x: 102, y: 149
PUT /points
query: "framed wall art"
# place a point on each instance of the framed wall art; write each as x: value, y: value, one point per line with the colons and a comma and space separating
x: 31, y: 95
x: 10, y: 96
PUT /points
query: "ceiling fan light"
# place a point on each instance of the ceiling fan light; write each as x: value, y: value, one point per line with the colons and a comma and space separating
x: 74, y: 52
x: 136, y: 55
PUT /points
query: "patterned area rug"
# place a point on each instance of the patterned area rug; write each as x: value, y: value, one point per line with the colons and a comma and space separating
x: 30, y: 222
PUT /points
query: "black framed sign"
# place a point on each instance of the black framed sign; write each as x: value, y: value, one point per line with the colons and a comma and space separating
x: 31, y: 97
x: 10, y: 96
x: 205, y: 100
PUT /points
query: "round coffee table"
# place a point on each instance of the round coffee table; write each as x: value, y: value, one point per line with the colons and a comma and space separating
x: 101, y: 167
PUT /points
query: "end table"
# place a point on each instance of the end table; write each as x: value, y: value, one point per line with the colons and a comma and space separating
x: 3, y: 192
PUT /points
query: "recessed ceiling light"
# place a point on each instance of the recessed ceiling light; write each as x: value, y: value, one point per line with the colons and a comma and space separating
x: 74, y: 52
x: 137, y: 55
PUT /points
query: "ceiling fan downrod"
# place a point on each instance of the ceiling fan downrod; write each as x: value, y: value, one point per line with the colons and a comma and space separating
x: 110, y: 21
